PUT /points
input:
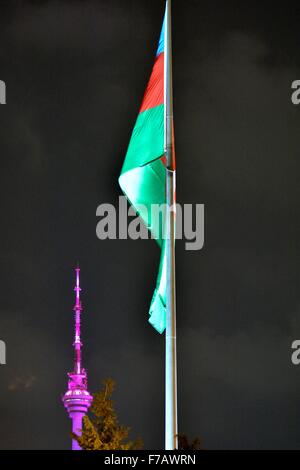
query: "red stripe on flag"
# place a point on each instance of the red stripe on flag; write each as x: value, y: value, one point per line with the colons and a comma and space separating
x: 154, y: 94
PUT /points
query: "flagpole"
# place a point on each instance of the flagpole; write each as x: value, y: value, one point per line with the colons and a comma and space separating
x: 171, y: 438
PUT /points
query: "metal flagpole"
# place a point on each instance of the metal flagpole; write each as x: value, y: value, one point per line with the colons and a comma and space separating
x: 171, y: 438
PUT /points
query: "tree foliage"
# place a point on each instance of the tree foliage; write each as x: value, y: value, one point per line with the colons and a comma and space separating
x: 184, y: 444
x: 102, y: 431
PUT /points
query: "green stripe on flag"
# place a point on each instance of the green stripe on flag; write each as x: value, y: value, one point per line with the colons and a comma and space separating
x: 143, y: 181
x: 147, y: 140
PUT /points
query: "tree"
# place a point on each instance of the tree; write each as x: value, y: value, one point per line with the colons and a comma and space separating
x: 102, y: 431
x: 184, y: 444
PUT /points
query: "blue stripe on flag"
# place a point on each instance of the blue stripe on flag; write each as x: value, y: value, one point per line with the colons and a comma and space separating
x: 161, y: 44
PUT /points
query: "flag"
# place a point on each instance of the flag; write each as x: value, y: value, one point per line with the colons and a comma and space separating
x: 143, y: 175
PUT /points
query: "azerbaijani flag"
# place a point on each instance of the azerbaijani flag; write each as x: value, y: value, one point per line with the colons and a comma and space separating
x: 143, y: 176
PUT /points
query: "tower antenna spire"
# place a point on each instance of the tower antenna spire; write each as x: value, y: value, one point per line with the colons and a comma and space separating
x: 77, y: 399
x: 77, y: 309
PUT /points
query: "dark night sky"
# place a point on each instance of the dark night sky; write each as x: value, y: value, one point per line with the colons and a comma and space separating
x: 75, y: 73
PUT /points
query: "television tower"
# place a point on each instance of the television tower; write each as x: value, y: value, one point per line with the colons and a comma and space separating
x: 77, y: 399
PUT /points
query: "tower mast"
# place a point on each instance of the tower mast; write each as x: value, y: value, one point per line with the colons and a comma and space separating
x: 77, y: 309
x: 77, y: 399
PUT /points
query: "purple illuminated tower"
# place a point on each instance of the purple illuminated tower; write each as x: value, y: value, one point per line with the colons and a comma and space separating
x: 77, y: 399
